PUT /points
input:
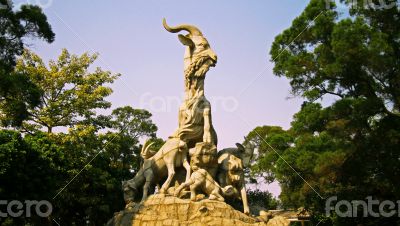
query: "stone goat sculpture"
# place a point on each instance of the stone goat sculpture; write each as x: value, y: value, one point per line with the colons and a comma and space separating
x: 230, y: 171
x: 161, y: 165
x: 195, y: 123
x: 198, y: 58
x: 201, y: 179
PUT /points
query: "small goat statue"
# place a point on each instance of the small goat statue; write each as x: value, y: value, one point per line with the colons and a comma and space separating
x: 231, y: 162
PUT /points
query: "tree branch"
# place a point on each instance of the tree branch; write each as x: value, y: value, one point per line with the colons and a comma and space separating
x: 325, y: 91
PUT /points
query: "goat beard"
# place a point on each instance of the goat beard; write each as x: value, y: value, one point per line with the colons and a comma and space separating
x: 199, y: 67
x: 202, y: 70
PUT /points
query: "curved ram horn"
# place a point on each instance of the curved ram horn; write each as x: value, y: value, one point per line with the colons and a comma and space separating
x: 186, y: 27
x: 146, y: 147
x: 240, y: 147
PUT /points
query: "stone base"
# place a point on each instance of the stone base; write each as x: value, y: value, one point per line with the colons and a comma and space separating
x: 169, y: 210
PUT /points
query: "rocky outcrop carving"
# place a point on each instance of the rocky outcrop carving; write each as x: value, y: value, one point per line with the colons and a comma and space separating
x: 169, y: 210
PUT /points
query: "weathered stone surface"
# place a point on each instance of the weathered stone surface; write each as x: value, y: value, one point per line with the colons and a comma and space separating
x: 169, y: 210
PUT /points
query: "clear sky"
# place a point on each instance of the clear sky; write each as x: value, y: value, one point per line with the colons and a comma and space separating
x: 131, y: 40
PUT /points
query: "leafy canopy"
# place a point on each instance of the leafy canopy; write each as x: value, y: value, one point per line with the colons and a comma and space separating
x: 17, y: 92
x: 350, y: 148
x: 355, y: 56
x: 71, y: 93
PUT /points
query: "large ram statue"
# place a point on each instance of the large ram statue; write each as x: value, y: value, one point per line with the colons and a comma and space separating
x: 195, y: 125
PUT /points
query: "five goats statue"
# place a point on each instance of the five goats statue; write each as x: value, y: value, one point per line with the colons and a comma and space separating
x: 195, y: 127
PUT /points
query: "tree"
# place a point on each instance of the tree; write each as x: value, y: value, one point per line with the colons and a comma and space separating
x: 37, y: 166
x: 17, y: 92
x: 355, y: 57
x: 130, y: 125
x: 261, y: 200
x: 71, y: 93
x: 133, y: 122
x: 32, y: 167
x: 262, y: 137
x: 348, y: 149
x: 95, y: 194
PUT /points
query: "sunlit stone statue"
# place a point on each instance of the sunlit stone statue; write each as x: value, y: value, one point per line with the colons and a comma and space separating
x: 196, y: 179
x: 195, y: 124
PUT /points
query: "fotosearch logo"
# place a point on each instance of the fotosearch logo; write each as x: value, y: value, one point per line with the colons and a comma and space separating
x: 17, y: 208
x: 369, y: 207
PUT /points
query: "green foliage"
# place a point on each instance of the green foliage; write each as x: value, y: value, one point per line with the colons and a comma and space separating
x: 95, y: 193
x: 17, y: 92
x: 259, y: 200
x: 27, y: 21
x: 38, y: 166
x: 133, y: 122
x: 348, y: 149
x: 30, y: 170
x: 109, y: 157
x: 352, y: 57
x: 79, y: 172
x: 262, y: 137
x: 71, y: 93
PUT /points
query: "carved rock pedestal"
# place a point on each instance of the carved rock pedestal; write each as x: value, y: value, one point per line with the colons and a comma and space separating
x: 169, y: 210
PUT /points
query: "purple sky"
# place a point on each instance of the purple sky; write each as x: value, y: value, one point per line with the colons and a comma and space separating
x: 131, y: 40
